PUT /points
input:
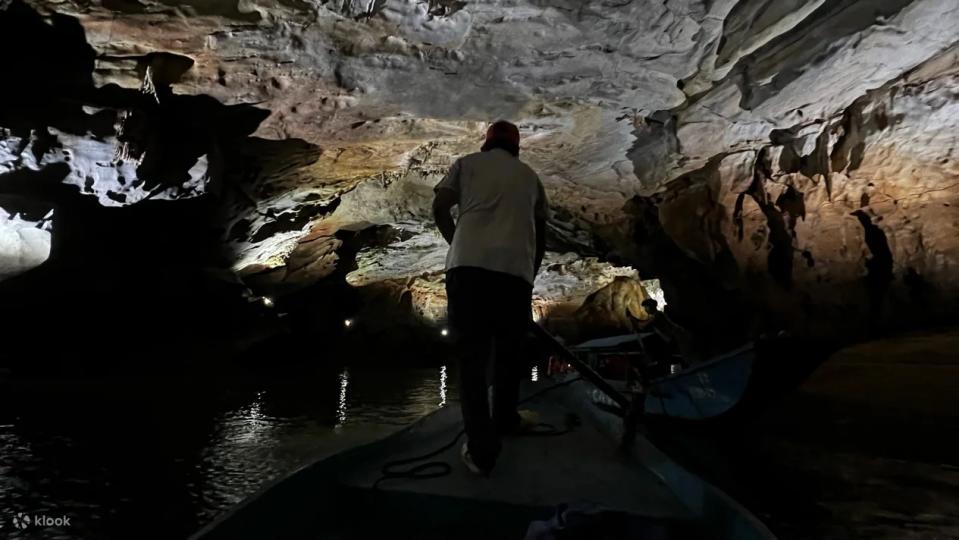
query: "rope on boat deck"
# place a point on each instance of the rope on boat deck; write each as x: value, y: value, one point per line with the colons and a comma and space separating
x: 439, y: 469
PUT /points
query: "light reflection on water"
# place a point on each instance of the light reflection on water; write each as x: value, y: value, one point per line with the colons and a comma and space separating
x: 117, y: 455
x: 442, y: 386
x: 249, y: 445
x: 341, y: 404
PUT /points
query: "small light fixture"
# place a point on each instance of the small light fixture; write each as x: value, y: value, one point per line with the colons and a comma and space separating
x: 347, y: 323
x: 444, y: 332
x: 267, y: 301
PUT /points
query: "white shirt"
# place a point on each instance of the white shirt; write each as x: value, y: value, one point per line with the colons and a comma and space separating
x: 499, y: 199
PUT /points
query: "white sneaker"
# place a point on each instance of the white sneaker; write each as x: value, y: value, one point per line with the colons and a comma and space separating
x: 468, y: 461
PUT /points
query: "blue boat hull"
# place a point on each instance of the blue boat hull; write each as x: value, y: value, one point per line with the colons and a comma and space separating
x: 704, y: 391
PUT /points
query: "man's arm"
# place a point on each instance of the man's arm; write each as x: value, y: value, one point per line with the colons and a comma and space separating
x: 541, y: 214
x: 540, y: 243
x: 447, y: 196
x: 443, y: 203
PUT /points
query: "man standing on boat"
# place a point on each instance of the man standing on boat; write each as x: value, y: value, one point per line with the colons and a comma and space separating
x: 497, y: 244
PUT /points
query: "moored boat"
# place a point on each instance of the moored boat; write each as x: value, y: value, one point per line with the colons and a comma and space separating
x: 705, y: 390
x: 682, y: 389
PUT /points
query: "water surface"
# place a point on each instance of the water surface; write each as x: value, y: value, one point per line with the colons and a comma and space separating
x: 159, y: 458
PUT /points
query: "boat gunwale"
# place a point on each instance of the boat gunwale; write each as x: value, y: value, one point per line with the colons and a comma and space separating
x: 674, y: 475
x: 748, y: 347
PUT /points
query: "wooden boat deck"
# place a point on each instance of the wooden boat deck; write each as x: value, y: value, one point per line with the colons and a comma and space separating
x: 582, y: 465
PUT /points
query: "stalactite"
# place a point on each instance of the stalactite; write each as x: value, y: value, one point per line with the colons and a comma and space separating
x: 132, y: 125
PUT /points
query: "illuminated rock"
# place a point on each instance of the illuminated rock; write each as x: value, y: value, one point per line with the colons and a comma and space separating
x: 615, y: 309
x: 23, y: 244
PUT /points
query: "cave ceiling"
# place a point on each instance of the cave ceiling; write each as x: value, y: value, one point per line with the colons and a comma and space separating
x: 363, y: 105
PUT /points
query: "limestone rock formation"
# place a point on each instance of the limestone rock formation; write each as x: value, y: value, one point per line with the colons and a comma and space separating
x: 613, y: 309
x: 562, y: 285
x: 24, y: 243
x: 788, y: 163
x: 848, y: 219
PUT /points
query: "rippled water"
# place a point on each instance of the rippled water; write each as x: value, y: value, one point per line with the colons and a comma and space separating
x: 157, y: 459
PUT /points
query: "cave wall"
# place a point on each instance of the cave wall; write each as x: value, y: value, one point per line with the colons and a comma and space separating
x: 843, y: 225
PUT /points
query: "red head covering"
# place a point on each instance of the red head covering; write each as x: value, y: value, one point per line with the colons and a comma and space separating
x: 502, y: 130
x: 502, y: 134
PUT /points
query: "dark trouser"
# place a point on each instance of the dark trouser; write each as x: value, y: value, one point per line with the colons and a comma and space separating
x: 489, y: 313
